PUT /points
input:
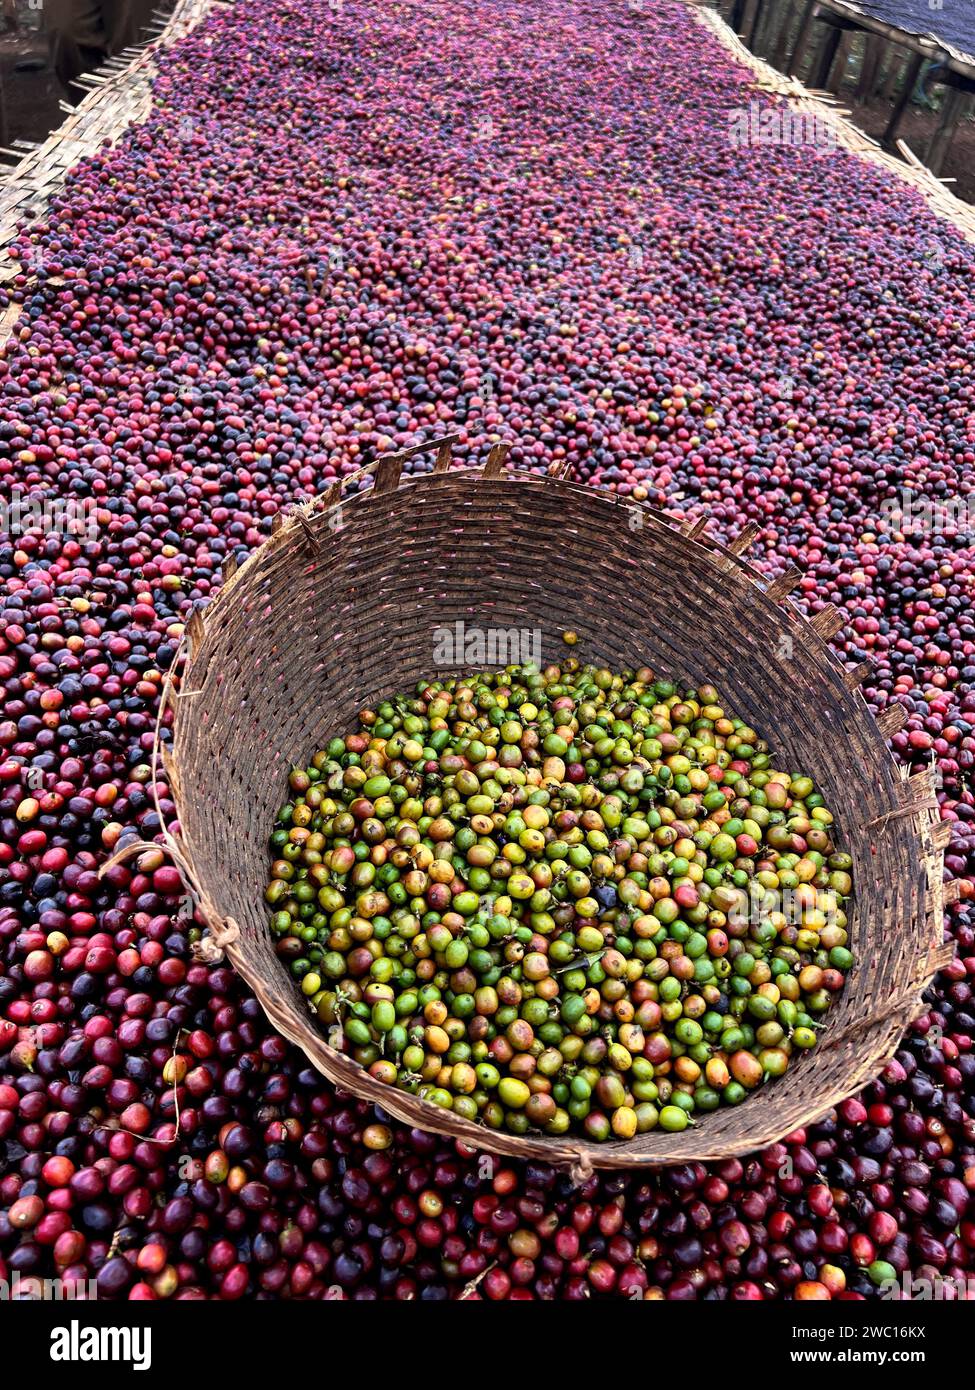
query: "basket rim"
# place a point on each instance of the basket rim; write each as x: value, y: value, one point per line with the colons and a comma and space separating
x: 305, y: 527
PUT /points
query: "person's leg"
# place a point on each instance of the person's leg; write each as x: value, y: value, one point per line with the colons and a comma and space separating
x: 77, y: 40
x: 118, y: 24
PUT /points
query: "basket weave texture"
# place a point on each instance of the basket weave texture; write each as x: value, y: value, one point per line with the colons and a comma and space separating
x: 337, y: 610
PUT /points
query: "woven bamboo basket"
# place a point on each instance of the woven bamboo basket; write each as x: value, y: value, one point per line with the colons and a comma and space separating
x: 337, y: 609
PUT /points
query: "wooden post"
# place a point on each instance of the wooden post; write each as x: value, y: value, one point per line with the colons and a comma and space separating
x: 751, y: 30
x: 746, y: 23
x: 801, y: 38
x: 764, y: 25
x: 951, y: 114
x: 892, y: 73
x: 842, y: 60
x: 913, y: 69
x: 872, y: 49
x: 779, y: 49
x: 823, y: 66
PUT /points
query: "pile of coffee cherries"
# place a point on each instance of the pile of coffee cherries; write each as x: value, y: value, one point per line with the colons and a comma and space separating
x: 561, y: 899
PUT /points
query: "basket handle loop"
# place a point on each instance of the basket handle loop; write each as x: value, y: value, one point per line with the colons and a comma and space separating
x: 581, y: 1170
